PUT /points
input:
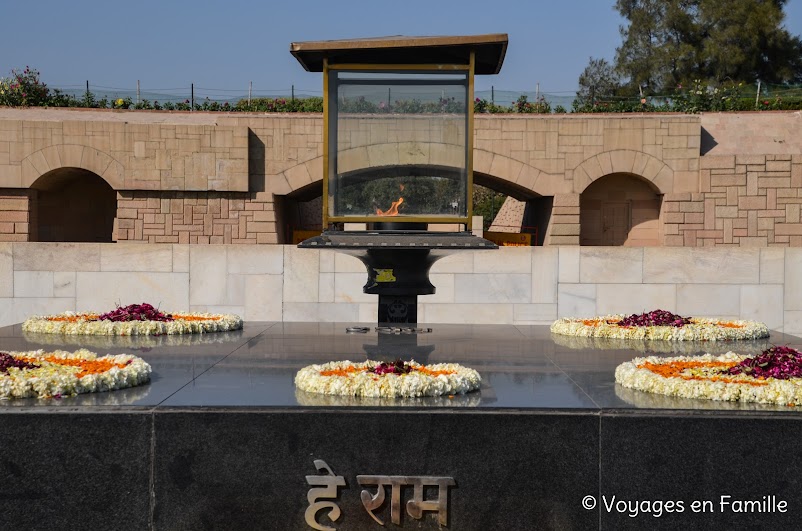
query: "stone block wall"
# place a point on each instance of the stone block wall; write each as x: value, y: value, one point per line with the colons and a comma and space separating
x: 744, y: 201
x: 129, y: 156
x: 556, y: 154
x: 564, y: 226
x: 741, y: 188
x: 17, y: 219
x: 195, y: 218
x: 511, y: 285
x: 284, y: 151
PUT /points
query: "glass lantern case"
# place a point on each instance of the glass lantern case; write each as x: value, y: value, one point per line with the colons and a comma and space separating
x: 397, y: 146
x: 397, y: 155
x: 398, y: 126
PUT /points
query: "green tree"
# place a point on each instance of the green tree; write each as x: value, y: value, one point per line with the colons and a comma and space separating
x: 486, y: 203
x: 745, y: 41
x: 672, y: 42
x: 598, y: 80
x: 660, y: 43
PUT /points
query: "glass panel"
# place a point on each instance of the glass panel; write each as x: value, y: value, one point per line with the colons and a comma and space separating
x: 398, y: 145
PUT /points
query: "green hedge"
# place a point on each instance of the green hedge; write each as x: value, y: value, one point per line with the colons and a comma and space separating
x: 24, y: 89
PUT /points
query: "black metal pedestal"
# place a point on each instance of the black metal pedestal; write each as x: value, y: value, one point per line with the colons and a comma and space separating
x: 399, y: 342
x: 398, y: 263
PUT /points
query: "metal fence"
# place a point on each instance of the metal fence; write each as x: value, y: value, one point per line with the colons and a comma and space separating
x: 232, y: 96
x: 192, y: 93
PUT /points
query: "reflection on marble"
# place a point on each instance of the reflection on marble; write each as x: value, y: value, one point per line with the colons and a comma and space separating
x: 644, y: 400
x: 133, y: 342
x: 318, y: 399
x: 121, y: 397
x: 676, y: 348
x: 523, y: 367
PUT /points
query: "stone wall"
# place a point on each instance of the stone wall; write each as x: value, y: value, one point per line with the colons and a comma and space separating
x: 16, y: 217
x: 744, y: 200
x: 511, y: 285
x: 366, y: 141
x: 730, y: 179
x: 194, y: 217
x: 129, y: 156
x: 557, y: 154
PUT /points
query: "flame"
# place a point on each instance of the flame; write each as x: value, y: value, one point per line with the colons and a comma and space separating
x: 392, y: 211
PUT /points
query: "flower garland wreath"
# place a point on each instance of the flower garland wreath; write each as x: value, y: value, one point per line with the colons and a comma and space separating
x: 773, y: 377
x: 56, y: 374
x: 662, y: 325
x: 387, y: 380
x: 132, y: 320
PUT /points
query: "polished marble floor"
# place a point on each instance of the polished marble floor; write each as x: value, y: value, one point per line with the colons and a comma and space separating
x: 523, y: 367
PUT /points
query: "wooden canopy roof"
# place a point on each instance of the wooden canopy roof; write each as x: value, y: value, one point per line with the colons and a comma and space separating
x: 489, y: 49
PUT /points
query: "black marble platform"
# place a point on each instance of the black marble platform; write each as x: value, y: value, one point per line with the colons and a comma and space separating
x: 220, y: 438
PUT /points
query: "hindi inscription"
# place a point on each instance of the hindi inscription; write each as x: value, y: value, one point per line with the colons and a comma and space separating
x: 415, y: 507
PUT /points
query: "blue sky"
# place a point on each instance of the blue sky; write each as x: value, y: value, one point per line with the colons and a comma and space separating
x: 226, y: 45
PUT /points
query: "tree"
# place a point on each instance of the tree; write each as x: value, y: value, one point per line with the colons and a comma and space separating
x: 598, y: 80
x: 486, y: 203
x: 671, y: 42
x: 745, y: 41
x: 660, y: 44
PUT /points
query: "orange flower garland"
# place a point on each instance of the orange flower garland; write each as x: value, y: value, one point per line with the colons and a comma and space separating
x: 60, y: 373
x: 131, y: 323
x: 387, y: 380
x: 641, y: 327
x: 729, y: 377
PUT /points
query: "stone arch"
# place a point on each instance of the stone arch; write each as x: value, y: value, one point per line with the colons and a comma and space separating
x: 297, y: 177
x: 401, y: 154
x: 515, y: 172
x: 73, y: 205
x: 620, y: 209
x: 500, y: 168
x: 303, y: 181
x: 624, y: 161
x: 60, y: 156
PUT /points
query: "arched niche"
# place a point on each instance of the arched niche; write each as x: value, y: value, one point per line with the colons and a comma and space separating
x: 74, y: 205
x: 620, y: 210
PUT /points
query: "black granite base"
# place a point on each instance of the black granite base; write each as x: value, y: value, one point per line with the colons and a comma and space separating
x: 75, y: 471
x: 233, y: 470
x: 220, y: 439
x: 720, y: 471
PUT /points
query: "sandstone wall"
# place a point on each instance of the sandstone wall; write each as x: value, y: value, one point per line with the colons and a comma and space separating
x: 725, y: 179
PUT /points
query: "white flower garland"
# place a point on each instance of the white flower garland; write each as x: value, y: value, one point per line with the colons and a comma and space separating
x: 699, y: 329
x: 81, y: 323
x: 455, y: 379
x: 708, y: 383
x: 647, y: 347
x: 52, y: 379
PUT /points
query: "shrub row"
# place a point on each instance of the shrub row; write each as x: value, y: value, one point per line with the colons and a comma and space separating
x: 24, y: 89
